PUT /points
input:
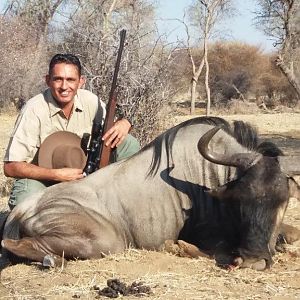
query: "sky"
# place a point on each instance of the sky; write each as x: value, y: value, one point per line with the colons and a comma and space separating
x: 240, y: 27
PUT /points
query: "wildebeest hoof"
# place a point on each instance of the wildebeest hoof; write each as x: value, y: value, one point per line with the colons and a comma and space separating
x: 51, y: 261
x: 257, y: 265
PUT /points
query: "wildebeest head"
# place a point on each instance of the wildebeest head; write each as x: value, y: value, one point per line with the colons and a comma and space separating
x: 262, y: 190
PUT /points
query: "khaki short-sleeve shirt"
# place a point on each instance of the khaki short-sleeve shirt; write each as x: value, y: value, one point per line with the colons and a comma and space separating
x: 41, y: 116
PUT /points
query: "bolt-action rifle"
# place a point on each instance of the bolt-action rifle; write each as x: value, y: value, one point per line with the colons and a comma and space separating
x: 98, y: 155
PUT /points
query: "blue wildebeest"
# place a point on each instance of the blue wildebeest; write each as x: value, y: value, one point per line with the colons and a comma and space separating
x: 195, y: 182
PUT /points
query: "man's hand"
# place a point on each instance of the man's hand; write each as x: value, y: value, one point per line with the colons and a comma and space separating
x: 116, y: 135
x: 67, y: 174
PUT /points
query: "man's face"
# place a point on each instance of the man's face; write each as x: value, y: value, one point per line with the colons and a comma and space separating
x: 64, y: 81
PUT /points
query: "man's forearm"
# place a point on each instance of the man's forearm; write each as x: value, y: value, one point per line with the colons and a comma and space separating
x: 27, y: 170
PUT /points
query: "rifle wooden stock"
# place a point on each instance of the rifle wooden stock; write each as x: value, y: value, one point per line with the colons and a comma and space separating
x: 105, y: 151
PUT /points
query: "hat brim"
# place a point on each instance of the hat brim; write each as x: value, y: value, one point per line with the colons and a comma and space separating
x: 52, y: 142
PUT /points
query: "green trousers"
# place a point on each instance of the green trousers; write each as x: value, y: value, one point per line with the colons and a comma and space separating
x: 23, y: 188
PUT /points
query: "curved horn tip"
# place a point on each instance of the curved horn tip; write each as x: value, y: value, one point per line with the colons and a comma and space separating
x: 210, y: 133
x: 206, y: 137
x: 204, y: 142
x: 238, y: 160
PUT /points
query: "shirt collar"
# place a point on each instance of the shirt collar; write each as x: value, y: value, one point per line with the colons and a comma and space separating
x: 53, y: 106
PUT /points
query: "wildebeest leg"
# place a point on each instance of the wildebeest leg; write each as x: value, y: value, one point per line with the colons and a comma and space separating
x: 73, y: 234
x: 183, y: 249
x: 28, y: 248
x: 287, y: 235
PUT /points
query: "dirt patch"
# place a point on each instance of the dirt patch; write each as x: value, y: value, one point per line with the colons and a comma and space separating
x: 168, y: 276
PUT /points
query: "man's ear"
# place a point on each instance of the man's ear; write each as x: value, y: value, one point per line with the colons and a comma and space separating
x: 47, y: 79
x: 82, y: 82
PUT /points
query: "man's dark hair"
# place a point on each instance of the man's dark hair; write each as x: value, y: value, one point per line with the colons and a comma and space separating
x: 67, y: 59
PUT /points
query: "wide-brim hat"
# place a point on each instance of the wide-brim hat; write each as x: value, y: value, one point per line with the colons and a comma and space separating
x: 62, y: 149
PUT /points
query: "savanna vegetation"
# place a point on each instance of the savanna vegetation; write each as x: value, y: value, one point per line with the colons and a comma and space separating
x: 159, y: 80
x: 199, y: 70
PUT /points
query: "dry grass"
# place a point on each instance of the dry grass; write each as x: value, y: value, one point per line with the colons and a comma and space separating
x: 169, y: 277
x: 7, y: 123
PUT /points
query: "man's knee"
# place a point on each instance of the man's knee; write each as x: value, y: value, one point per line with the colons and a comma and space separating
x: 23, y: 188
x: 129, y: 147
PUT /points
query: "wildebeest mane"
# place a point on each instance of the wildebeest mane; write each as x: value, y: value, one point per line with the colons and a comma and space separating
x: 247, y: 136
x: 243, y: 132
x: 169, y: 136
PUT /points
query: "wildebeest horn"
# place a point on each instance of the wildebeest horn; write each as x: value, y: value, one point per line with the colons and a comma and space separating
x: 239, y: 160
x: 290, y: 164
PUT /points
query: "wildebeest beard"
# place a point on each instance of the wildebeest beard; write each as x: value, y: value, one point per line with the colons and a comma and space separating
x: 240, y: 225
x: 263, y: 195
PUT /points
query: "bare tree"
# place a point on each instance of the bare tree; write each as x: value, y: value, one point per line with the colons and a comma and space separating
x: 16, y: 52
x: 280, y: 19
x: 36, y: 15
x: 93, y: 34
x: 204, y: 15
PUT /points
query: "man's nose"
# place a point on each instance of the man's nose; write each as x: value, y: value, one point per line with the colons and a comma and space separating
x: 64, y: 84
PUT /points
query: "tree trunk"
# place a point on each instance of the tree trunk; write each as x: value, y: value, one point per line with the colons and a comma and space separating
x: 290, y: 75
x: 207, y: 88
x: 193, y: 95
x: 194, y: 82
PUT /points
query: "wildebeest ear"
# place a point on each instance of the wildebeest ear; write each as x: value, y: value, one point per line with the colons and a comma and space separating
x: 294, y: 188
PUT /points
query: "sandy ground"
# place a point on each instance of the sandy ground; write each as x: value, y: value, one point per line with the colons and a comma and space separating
x: 168, y: 276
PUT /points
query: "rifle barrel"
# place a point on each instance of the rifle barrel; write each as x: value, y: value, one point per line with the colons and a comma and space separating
x: 111, y: 105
